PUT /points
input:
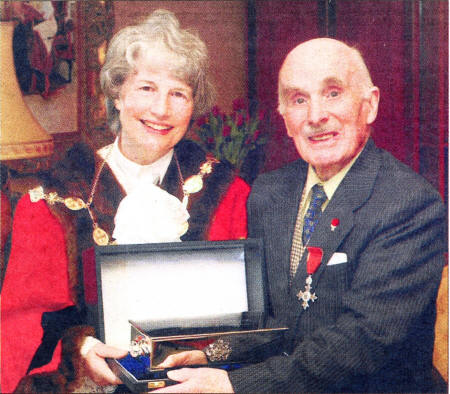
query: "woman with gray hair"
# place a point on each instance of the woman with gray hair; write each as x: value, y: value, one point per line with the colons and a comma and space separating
x: 149, y: 185
x: 188, y: 60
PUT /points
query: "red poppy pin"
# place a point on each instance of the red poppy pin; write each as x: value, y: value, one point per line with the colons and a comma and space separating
x: 334, y: 223
x: 312, y: 263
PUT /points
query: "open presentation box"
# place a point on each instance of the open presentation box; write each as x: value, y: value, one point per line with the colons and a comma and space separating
x: 176, y: 297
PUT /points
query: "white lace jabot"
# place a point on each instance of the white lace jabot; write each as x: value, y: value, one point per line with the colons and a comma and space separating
x: 147, y: 213
x: 150, y: 214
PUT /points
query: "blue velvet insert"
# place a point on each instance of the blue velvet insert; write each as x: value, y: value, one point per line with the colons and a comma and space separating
x: 138, y: 367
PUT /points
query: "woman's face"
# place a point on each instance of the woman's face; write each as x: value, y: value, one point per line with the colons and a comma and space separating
x: 155, y: 107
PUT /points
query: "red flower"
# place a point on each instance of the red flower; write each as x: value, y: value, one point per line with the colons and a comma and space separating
x: 215, y: 110
x: 334, y: 223
x: 238, y: 104
x: 240, y: 120
x: 201, y: 121
x: 261, y: 114
x: 226, y: 131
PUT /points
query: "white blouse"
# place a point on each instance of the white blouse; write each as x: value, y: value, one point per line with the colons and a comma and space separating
x: 147, y: 213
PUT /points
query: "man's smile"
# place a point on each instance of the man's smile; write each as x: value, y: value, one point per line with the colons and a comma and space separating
x: 323, y: 136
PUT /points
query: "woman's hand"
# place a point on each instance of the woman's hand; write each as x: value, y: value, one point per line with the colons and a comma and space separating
x: 190, y: 357
x: 97, y: 367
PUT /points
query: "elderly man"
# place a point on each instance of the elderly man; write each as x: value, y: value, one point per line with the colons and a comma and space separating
x: 365, y: 312
x: 354, y: 246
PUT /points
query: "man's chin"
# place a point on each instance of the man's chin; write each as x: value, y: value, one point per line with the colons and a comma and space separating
x: 326, y: 169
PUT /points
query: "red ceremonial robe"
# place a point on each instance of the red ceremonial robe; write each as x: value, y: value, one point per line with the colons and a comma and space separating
x: 40, y: 276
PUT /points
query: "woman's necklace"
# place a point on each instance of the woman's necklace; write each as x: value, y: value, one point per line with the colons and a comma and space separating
x: 195, y: 182
x: 99, y: 235
x: 192, y: 185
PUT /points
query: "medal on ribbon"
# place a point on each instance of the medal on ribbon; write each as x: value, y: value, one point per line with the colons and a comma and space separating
x: 312, y: 263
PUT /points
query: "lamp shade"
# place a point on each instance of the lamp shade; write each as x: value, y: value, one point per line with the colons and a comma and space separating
x: 21, y: 135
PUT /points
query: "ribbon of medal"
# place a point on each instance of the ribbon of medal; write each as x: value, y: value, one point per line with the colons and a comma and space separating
x: 312, y: 263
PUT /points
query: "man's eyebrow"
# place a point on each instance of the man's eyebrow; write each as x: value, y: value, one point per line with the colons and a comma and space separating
x: 333, y: 81
x: 289, y: 90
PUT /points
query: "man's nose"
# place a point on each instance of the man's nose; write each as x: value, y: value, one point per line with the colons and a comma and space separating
x: 317, y: 112
x: 160, y: 105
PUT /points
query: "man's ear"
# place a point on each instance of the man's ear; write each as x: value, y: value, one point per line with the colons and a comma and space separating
x: 288, y: 132
x: 372, y: 102
x: 118, y: 104
x: 281, y: 111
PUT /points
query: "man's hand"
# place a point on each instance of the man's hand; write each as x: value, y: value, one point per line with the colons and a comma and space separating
x: 96, y: 365
x: 198, y: 380
x: 190, y: 357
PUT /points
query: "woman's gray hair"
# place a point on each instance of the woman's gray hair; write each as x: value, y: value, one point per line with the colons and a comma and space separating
x: 161, y: 27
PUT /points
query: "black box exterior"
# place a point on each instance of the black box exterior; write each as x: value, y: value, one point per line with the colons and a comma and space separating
x: 199, y: 256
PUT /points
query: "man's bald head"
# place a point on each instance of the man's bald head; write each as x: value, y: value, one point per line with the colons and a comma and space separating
x: 320, y: 51
x: 327, y: 100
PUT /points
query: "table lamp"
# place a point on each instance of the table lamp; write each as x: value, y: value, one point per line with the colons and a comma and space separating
x: 21, y: 135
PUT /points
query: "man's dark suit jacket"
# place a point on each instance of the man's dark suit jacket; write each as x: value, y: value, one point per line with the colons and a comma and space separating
x: 372, y: 327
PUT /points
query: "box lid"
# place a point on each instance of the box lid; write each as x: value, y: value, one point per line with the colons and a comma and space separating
x: 193, y: 281
x: 214, y: 324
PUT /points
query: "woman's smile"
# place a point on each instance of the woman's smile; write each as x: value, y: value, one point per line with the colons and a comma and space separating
x: 159, y: 128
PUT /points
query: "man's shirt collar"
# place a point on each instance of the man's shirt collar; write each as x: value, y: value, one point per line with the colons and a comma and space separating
x: 331, y: 185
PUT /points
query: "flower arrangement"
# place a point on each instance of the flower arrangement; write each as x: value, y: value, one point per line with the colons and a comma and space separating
x: 230, y: 137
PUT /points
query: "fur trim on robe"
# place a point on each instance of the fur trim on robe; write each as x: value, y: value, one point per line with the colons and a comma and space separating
x: 57, y: 241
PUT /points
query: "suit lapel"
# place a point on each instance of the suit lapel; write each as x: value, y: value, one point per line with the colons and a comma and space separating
x: 279, y: 226
x: 353, y: 191
x: 326, y: 239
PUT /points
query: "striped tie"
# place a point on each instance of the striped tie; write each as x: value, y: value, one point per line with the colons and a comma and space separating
x: 313, y: 213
